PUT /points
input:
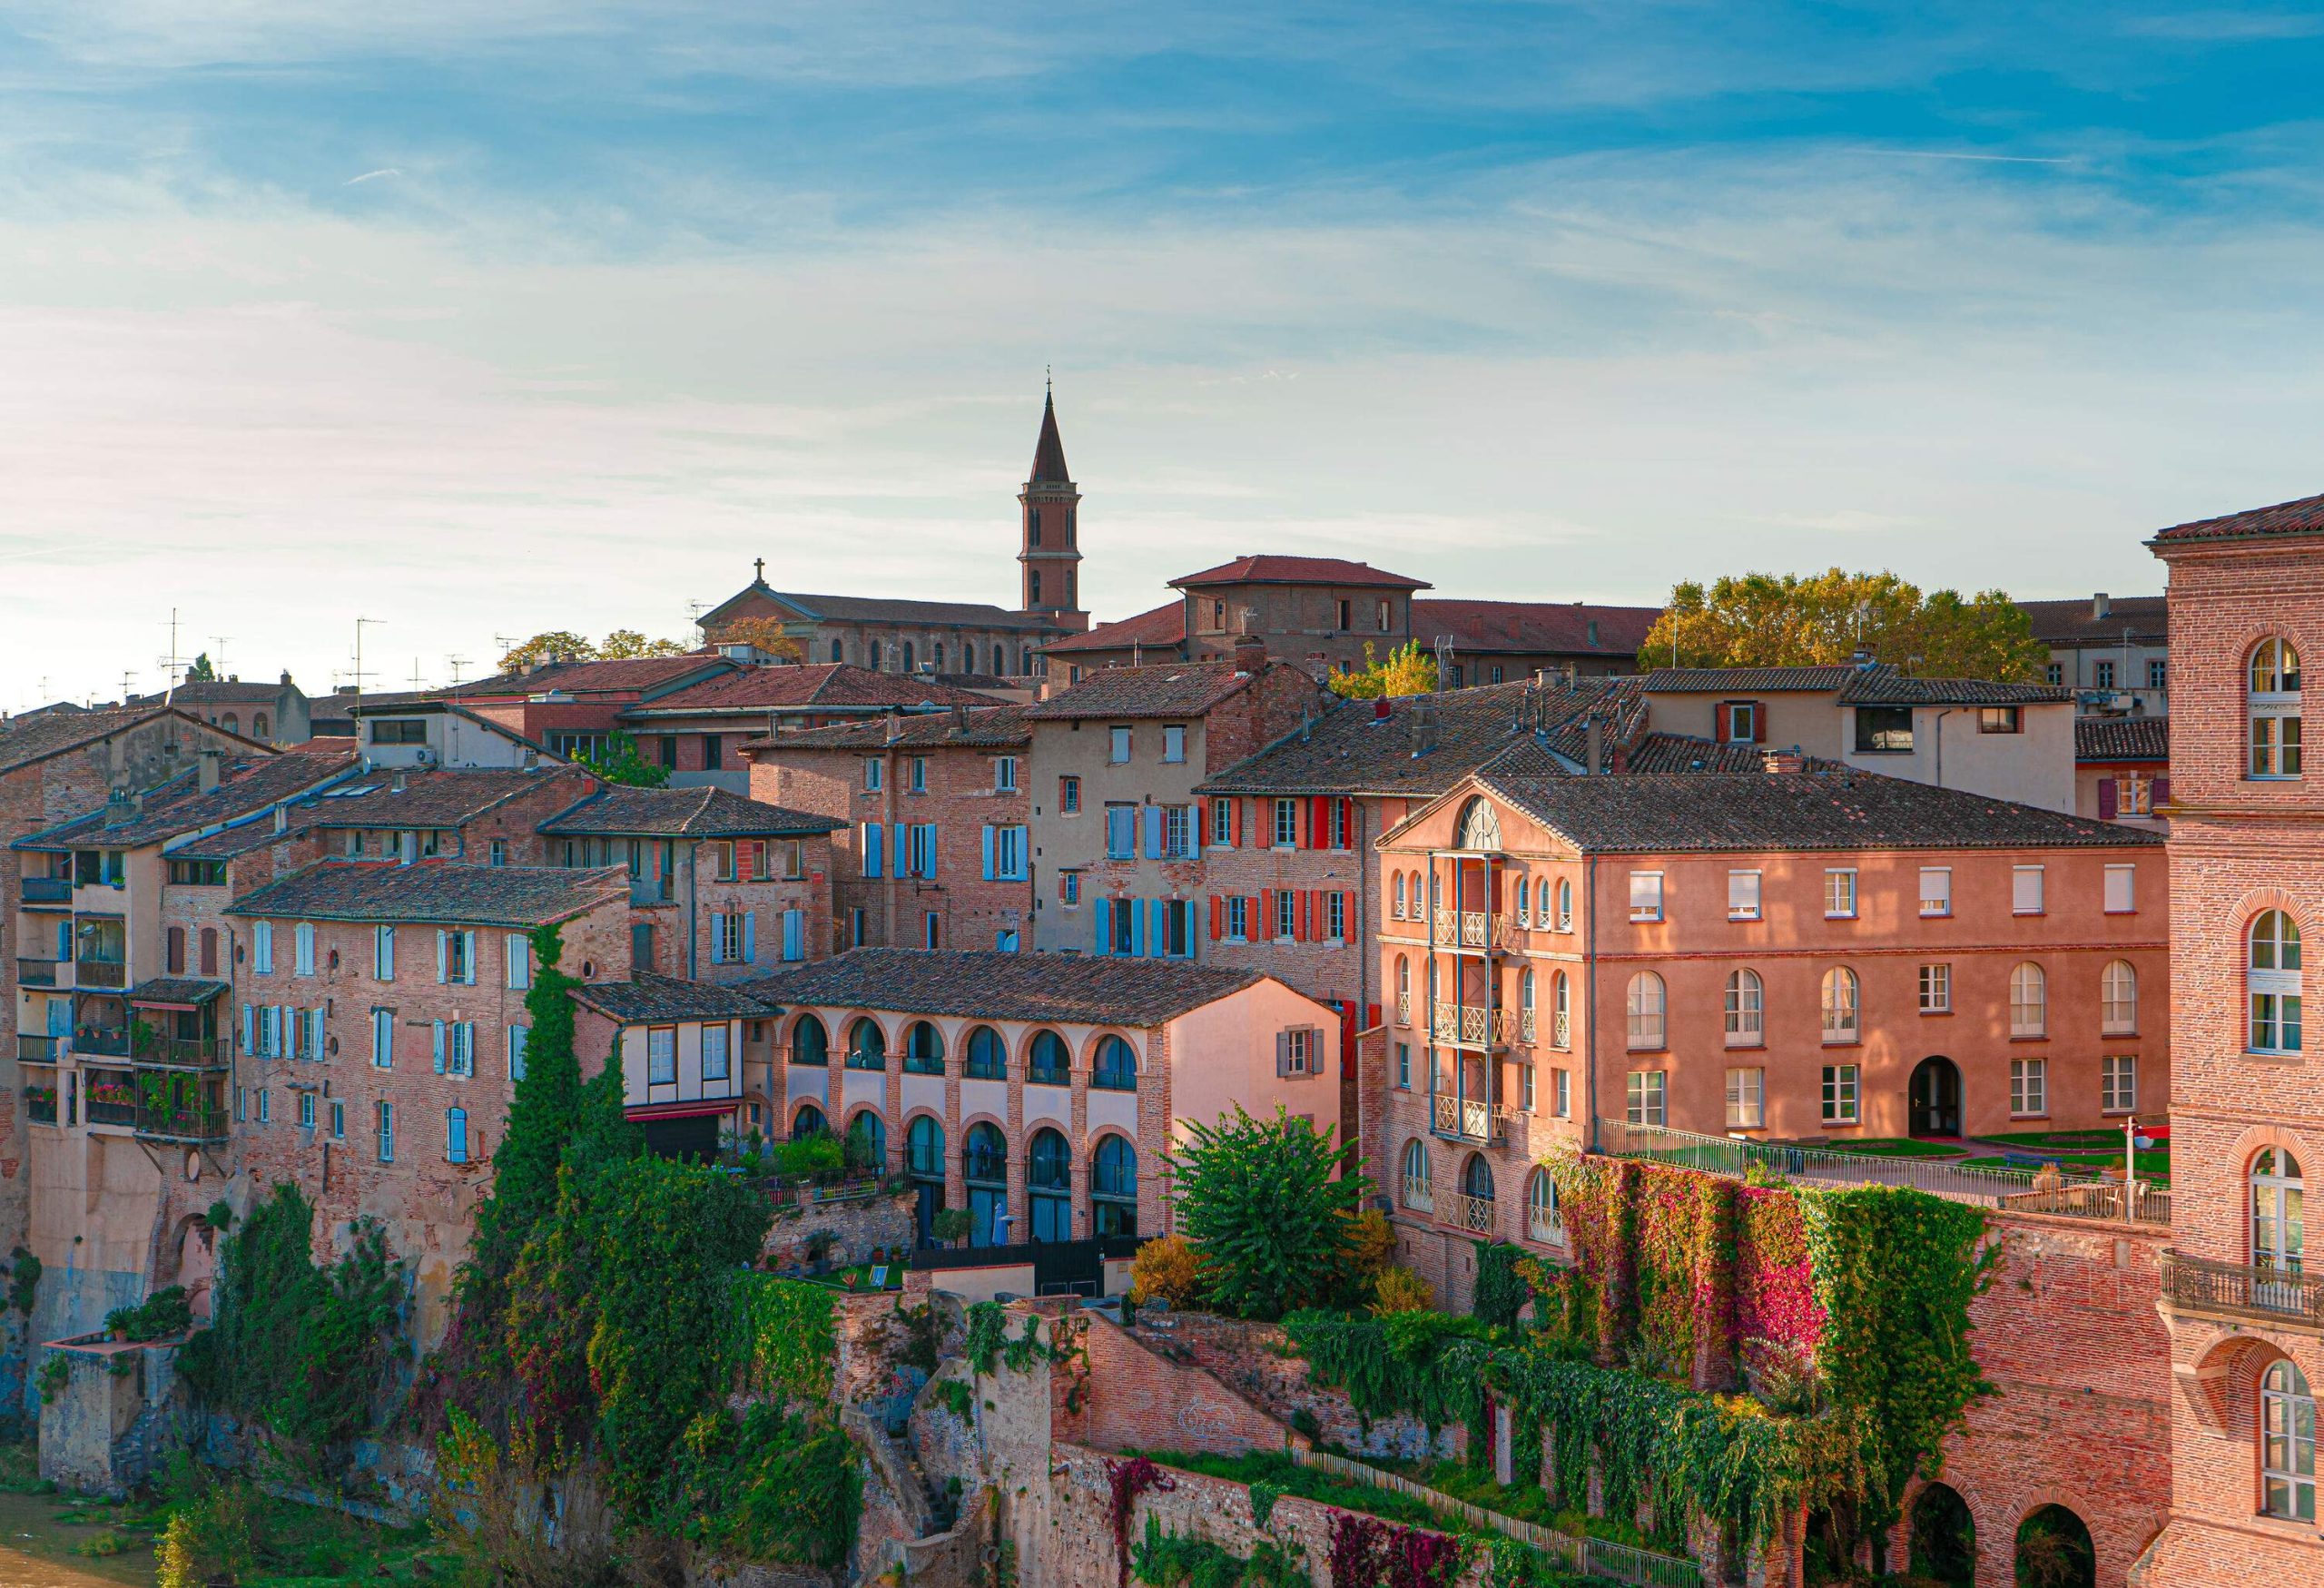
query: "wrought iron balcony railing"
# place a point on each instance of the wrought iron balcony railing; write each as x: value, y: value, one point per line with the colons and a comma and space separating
x: 37, y: 972
x: 196, y: 1123
x: 2262, y: 1292
x: 1473, y: 1213
x: 1419, y: 1196
x: 1470, y: 1120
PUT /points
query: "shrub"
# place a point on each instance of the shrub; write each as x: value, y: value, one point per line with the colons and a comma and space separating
x: 1167, y: 1269
x: 951, y: 1224
x: 164, y: 1313
x: 1270, y: 1204
x: 1401, y: 1290
x: 1372, y: 1243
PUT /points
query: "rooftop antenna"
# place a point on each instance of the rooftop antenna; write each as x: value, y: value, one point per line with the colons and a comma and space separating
x: 415, y: 675
x: 218, y: 662
x: 359, y: 674
x: 127, y: 678
x: 458, y: 662
x: 170, y: 664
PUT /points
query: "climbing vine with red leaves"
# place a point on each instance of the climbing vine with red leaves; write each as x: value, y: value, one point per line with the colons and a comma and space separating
x: 1367, y: 1550
x: 1128, y: 1480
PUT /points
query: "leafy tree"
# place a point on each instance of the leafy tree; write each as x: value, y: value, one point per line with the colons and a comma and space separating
x: 769, y: 634
x: 626, y: 643
x: 1407, y: 670
x: 1767, y: 620
x: 619, y: 762
x: 542, y: 1117
x: 202, y: 672
x: 555, y: 645
x: 1271, y: 1205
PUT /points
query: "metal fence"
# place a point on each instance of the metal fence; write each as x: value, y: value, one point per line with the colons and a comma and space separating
x: 2200, y: 1285
x: 1594, y: 1556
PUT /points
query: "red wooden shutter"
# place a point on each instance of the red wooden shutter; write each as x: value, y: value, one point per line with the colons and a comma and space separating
x: 1319, y: 824
x: 1758, y: 722
x: 2106, y: 807
x: 1265, y: 933
x: 2162, y: 791
x: 1217, y: 917
x: 1347, y: 823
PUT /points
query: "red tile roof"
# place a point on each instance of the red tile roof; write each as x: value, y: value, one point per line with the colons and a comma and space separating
x: 2121, y: 739
x: 993, y: 727
x: 2304, y: 517
x: 1520, y: 627
x: 827, y: 686
x: 2147, y: 618
x: 1164, y: 626
x: 1179, y: 689
x: 1268, y: 569
x: 630, y: 676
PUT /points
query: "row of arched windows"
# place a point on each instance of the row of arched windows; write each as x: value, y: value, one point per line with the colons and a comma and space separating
x: 904, y: 657
x: 1548, y: 908
x: 985, y: 1173
x: 1048, y: 1059
x: 1417, y: 1190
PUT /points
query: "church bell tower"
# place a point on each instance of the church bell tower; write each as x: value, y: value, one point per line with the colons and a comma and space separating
x: 1051, y: 560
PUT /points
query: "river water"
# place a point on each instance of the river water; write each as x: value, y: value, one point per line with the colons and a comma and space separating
x: 36, y: 1550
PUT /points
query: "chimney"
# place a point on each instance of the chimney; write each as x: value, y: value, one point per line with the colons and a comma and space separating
x: 960, y: 718
x: 120, y: 808
x: 206, y: 772
x: 1785, y: 762
x: 1593, y: 740
x: 286, y: 678
x: 398, y: 784
x: 2101, y: 607
x: 895, y: 728
x: 1862, y: 660
x: 1423, y: 729
x: 1381, y: 710
x: 1250, y: 653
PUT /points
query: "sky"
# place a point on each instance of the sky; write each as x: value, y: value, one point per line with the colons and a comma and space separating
x: 477, y: 319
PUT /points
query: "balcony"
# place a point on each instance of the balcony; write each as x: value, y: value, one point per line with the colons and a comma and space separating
x: 47, y: 889
x: 1473, y: 1213
x: 39, y: 973
x: 922, y: 1064
x: 100, y: 973
x: 1460, y: 1118
x: 111, y: 1110
x: 984, y: 1168
x: 1470, y: 1025
x: 2238, y: 1290
x: 40, y: 1104
x: 1462, y: 929
x: 860, y: 1060
x: 190, y: 1122
x: 187, y: 1054
x: 105, y: 1041
x: 38, y: 1049
x: 1419, y: 1196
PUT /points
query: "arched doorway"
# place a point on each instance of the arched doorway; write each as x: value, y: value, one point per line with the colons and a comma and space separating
x: 1936, y: 1098
x: 808, y: 1121
x: 1944, y: 1537
x: 2053, y: 1551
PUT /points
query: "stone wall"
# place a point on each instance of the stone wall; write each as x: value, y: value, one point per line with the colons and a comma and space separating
x: 1138, y: 1398
x: 857, y: 1226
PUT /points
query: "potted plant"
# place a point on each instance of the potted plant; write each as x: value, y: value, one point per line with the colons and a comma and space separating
x: 819, y: 1252
x: 949, y: 1226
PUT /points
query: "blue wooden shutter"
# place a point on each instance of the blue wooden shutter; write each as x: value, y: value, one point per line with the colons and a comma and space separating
x: 441, y: 937
x: 873, y: 836
x: 1161, y: 928
x: 1136, y: 926
x: 439, y: 1047
x: 793, y: 934
x: 1105, y: 926
x: 1154, y: 832
x: 900, y: 849
x: 988, y: 851
x: 750, y: 937
x: 248, y: 1026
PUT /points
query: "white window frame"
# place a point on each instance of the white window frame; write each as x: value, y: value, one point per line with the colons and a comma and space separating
x: 516, y: 953
x: 2118, y: 1083
x: 1840, y: 997
x: 1646, y: 896
x: 1746, y: 1001
x: 2118, y: 998
x: 1743, y: 891
x: 1174, y: 744
x: 661, y: 1055
x: 1285, y: 832
x: 1119, y: 742
x: 2272, y: 714
x: 383, y: 954
x: 1746, y: 1099
x: 303, y: 949
x: 1647, y: 1099
x: 2029, y: 1089
x: 2272, y: 1002
x: 262, y: 948
x: 1004, y: 774
x: 715, y: 1030
x: 2029, y: 1000
x: 1936, y: 891
x: 519, y: 1038
x: 2121, y: 890
x: 2287, y: 1444
x: 1562, y: 1092
x: 874, y: 773
x: 1648, y: 1007
x: 1936, y: 987
x: 383, y: 1039
x: 1843, y: 1098
x: 2027, y: 890
x: 1839, y: 892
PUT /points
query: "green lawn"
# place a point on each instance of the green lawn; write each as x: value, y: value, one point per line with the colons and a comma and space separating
x: 2062, y: 1141
x: 2152, y: 1166
x: 1895, y: 1147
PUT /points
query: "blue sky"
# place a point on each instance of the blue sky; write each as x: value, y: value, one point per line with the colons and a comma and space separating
x: 480, y: 320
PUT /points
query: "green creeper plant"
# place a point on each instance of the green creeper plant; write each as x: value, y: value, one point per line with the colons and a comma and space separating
x: 1270, y: 1204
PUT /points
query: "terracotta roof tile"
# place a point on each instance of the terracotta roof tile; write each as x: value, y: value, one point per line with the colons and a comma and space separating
x: 2304, y: 517
x: 1172, y: 689
x: 684, y: 812
x: 437, y: 893
x: 824, y: 685
x: 1272, y: 570
x: 1744, y: 680
x: 25, y: 740
x: 1082, y: 989
x: 2121, y: 739
x: 626, y: 675
x: 1519, y: 627
x: 176, y: 990
x: 648, y: 997
x: 443, y: 798
x: 2069, y: 623
x: 1879, y: 684
x: 180, y: 806
x: 988, y: 727
x: 1163, y: 627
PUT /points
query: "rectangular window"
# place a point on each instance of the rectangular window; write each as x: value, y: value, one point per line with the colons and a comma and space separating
x: 1884, y: 730
x: 518, y: 949
x: 1839, y: 893
x: 1286, y: 824
x: 519, y: 1037
x: 306, y: 1110
x: 500, y: 851
x: 1008, y: 854
x: 2133, y: 794
x: 923, y: 849
x: 2025, y: 889
x: 725, y: 939
x: 1068, y: 795
x: 461, y: 1058
x: 2158, y: 672
x: 714, y: 1053
x: 1747, y: 1099
x: 2056, y: 673
x: 1743, y: 895
x: 1296, y: 1051
x: 1839, y: 1094
x: 2121, y: 890
x: 2029, y: 1088
x: 919, y: 783
x: 1069, y: 889
x: 2118, y: 1084
x: 1222, y: 821
x: 1738, y: 722
x: 383, y: 1039
x: 387, y: 1128
x: 1645, y: 895
x: 265, y: 1106
x: 873, y: 770
x: 1174, y: 741
x: 2102, y: 674
x: 855, y: 929
x: 1286, y: 915
x: 1238, y: 920
x: 1004, y: 774
x: 338, y: 1120
x: 1937, y: 889
x: 1121, y: 831
x: 930, y: 933
x: 383, y: 954
x: 262, y: 948
x: 1648, y: 1097
x: 1379, y: 616
x: 1562, y: 1092
x: 1117, y: 741
x: 460, y: 956
x: 1335, y: 917
x: 2001, y: 719
x: 724, y: 849
x: 303, y: 939
x: 1177, y: 831
x: 1405, y: 1065
x: 661, y: 1056
x: 1936, y: 989
x: 1525, y: 1087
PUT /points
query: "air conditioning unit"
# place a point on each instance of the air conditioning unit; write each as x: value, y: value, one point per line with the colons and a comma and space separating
x: 426, y: 757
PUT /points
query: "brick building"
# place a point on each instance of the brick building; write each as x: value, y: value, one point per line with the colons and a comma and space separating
x: 720, y: 886
x: 2113, y: 651
x: 481, y: 816
x: 572, y: 708
x: 379, y: 1027
x: 699, y: 733
x: 1113, y: 764
x: 2121, y: 769
x: 1040, y: 1092
x: 681, y: 1046
x: 272, y: 714
x: 1496, y: 642
x: 1787, y: 954
x: 2247, y: 856
x: 933, y: 848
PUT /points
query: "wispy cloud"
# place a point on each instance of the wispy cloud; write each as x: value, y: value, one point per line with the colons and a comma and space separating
x: 371, y: 176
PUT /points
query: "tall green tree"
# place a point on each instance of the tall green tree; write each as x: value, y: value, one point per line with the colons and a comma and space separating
x: 619, y: 762
x: 624, y: 644
x: 1770, y: 620
x: 549, y: 646
x: 1272, y: 1206
x: 541, y: 1118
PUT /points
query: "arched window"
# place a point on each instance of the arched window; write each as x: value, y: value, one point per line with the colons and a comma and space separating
x: 985, y: 1154
x: 1542, y: 1220
x: 1840, y: 995
x: 1746, y: 1010
x: 2273, y: 982
x: 1418, y: 1192
x: 924, y: 1148
x: 1025, y: 660
x: 2029, y: 1000
x: 867, y: 1142
x: 1476, y: 1192
x: 2288, y: 1443
x: 1048, y: 1176
x: 807, y: 1123
x: 1404, y: 990
x: 911, y: 662
x: 2279, y: 1232
x: 810, y: 1042
x: 455, y: 1136
x: 1113, y: 1188
x: 923, y: 1049
x: 233, y: 723
x: 1560, y: 1010
x: 839, y: 650
x: 936, y: 655
x: 999, y: 662
x: 1649, y: 1011
x: 1479, y: 829
x: 258, y: 724
x: 867, y: 1045
x: 1396, y: 895
x: 1524, y: 901
x: 1565, y: 904
x: 1525, y: 1001
x: 2272, y: 710
x: 1051, y: 1061
x: 2118, y: 998
x: 988, y: 1057
x: 1116, y: 1066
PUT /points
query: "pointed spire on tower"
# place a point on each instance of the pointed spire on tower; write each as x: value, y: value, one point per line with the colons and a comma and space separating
x: 1048, y: 452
